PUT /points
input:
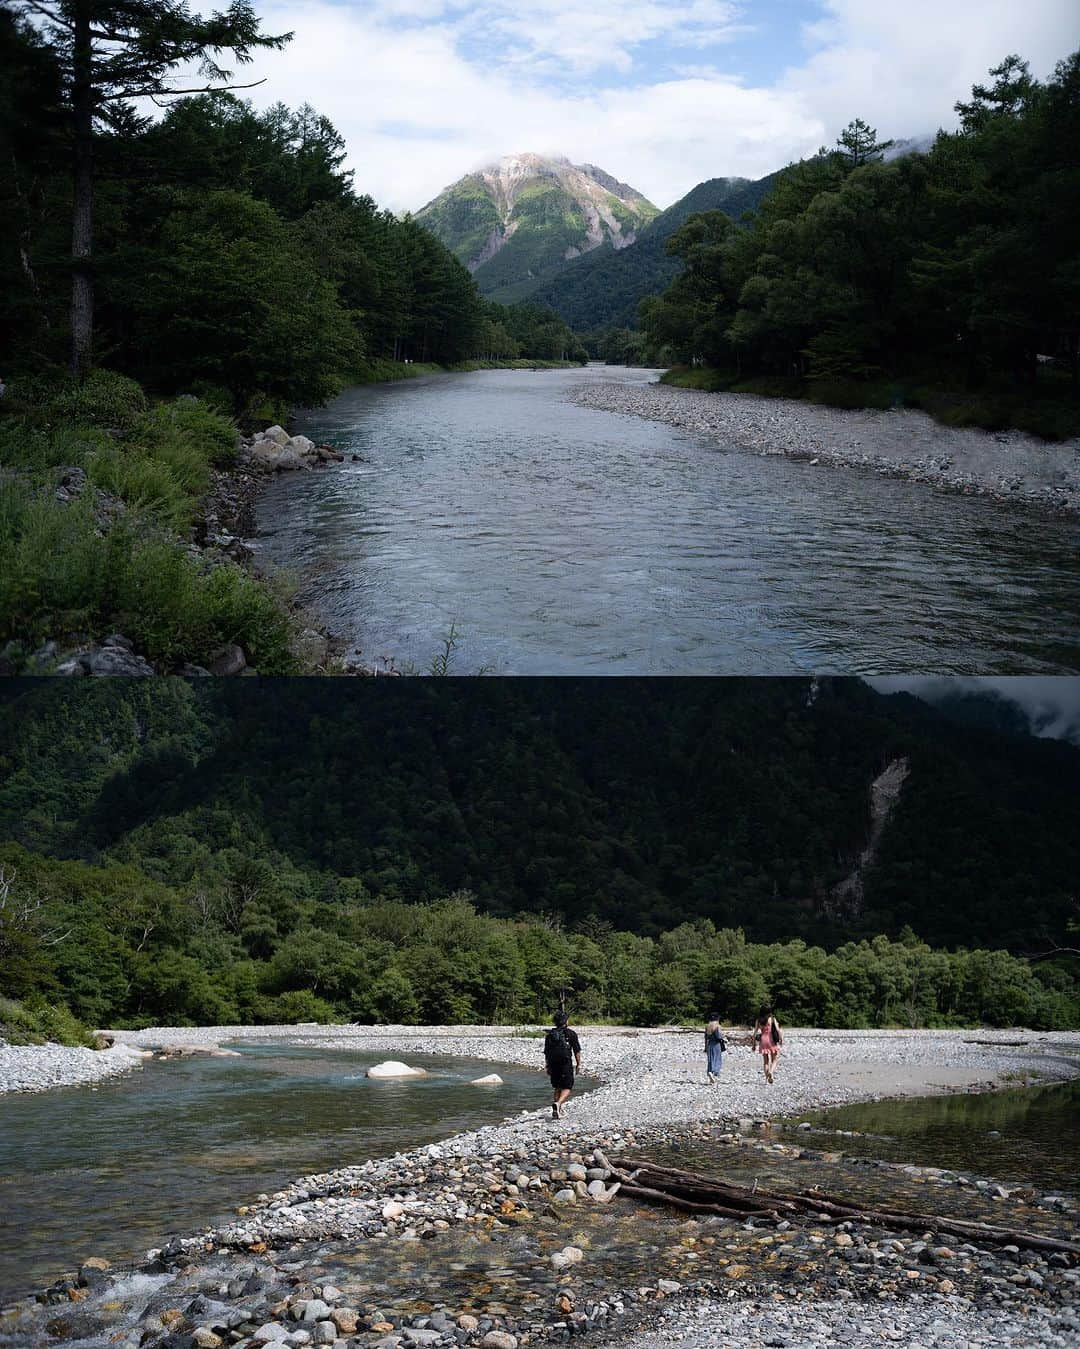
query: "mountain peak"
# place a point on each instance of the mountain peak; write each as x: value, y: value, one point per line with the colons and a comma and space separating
x: 523, y: 216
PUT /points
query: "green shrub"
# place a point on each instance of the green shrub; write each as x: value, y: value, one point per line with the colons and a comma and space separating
x: 60, y: 578
x: 104, y: 398
x: 854, y: 393
x: 36, y: 1020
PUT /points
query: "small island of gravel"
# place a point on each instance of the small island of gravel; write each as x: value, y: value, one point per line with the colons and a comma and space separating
x: 899, y: 443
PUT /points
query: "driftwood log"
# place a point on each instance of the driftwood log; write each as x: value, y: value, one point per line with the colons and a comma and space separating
x: 692, y: 1192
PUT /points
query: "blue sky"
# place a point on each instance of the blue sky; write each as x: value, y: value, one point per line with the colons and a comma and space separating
x: 661, y: 93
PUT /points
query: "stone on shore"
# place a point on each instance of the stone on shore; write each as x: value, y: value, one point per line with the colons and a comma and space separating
x: 492, y: 1080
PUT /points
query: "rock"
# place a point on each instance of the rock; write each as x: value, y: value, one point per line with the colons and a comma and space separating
x: 468, y: 1323
x: 189, y: 671
x: 597, y: 1189
x: 310, y: 647
x: 564, y: 1197
x: 736, y: 1271
x: 576, y: 1172
x: 92, y: 1272
x: 419, y: 1336
x: 107, y: 660
x: 346, y: 1319
x: 230, y: 660
x: 270, y: 1333
x: 316, y: 1310
x: 499, y: 1339
x: 277, y: 434
x: 300, y: 445
x: 393, y: 1210
x: 492, y: 1080
x: 569, y: 1255
x: 394, y: 1068
x: 325, y: 1333
x: 202, y: 1337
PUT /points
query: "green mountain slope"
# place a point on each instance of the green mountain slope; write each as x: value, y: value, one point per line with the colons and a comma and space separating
x: 644, y: 803
x: 603, y: 288
x: 519, y: 220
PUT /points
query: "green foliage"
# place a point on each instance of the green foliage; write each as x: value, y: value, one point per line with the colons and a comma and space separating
x: 62, y: 576
x: 36, y: 1021
x: 947, y: 280
x: 104, y: 398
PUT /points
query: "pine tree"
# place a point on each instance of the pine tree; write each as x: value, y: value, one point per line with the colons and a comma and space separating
x: 113, y: 51
x: 859, y: 144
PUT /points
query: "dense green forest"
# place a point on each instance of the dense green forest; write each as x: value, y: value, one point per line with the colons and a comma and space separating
x: 233, y: 256
x: 458, y: 849
x: 949, y: 279
x: 601, y: 291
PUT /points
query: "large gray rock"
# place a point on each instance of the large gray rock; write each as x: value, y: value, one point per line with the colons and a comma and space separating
x: 230, y: 660
x: 300, y: 445
x: 278, y: 434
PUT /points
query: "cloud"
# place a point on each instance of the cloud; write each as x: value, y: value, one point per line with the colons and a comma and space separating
x: 1050, y: 702
x: 426, y: 90
x: 371, y: 77
x: 903, y: 66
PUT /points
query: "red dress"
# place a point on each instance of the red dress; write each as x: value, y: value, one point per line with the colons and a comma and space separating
x: 766, y: 1043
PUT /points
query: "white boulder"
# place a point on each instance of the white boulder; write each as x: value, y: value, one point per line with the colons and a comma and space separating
x: 300, y: 445
x: 392, y: 1068
x: 276, y: 433
x: 492, y: 1080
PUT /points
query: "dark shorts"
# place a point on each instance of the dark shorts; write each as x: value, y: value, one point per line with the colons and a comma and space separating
x: 562, y: 1079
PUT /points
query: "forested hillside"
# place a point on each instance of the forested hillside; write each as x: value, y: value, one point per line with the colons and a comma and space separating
x: 949, y: 279
x: 281, y: 849
x: 604, y: 288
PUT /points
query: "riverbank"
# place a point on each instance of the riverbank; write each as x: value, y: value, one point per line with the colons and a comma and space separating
x: 530, y: 1207
x: 42, y: 1067
x: 899, y: 443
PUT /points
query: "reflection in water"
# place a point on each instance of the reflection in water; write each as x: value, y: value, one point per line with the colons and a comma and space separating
x: 1031, y: 1135
x: 565, y: 540
x: 111, y: 1170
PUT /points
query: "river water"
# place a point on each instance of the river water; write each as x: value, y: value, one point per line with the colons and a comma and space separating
x: 565, y: 540
x: 113, y: 1169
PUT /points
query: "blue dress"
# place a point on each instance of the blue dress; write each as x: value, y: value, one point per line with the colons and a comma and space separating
x: 714, y: 1049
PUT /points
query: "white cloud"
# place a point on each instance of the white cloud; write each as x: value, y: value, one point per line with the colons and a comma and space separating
x: 902, y: 66
x: 425, y: 90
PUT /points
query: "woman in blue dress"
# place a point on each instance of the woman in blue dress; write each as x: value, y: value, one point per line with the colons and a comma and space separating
x: 714, y: 1048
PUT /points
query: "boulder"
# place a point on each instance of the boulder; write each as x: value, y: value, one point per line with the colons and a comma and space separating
x: 230, y: 660
x: 393, y: 1210
x: 300, y: 445
x: 266, y: 454
x: 492, y: 1080
x: 278, y: 434
x: 393, y: 1068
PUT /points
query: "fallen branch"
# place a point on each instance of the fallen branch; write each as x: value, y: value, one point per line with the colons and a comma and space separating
x: 692, y: 1192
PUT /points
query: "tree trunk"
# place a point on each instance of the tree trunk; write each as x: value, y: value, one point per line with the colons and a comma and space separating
x: 82, y: 224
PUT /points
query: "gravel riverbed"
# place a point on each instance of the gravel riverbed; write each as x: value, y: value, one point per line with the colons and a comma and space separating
x: 528, y: 1206
x: 41, y: 1067
x: 899, y: 443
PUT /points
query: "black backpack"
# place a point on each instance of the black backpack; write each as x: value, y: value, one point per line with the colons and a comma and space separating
x: 557, y: 1051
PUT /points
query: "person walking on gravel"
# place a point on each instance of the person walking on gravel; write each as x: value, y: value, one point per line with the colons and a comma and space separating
x: 768, y: 1039
x: 714, y: 1048
x: 562, y: 1058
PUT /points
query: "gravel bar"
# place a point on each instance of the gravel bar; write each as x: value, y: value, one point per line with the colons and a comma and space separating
x: 898, y: 443
x: 40, y: 1067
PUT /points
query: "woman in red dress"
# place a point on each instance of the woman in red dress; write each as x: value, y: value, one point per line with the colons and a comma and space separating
x: 767, y: 1039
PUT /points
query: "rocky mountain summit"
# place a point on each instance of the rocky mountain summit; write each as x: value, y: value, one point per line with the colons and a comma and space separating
x: 527, y: 215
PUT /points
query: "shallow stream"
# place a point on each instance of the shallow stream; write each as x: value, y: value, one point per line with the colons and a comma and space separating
x: 559, y: 539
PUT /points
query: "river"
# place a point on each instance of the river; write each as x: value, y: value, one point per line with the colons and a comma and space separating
x: 112, y: 1169
x: 558, y: 539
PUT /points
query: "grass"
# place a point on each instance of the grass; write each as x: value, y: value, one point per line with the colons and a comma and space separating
x: 36, y: 1021
x: 73, y: 574
x: 1047, y: 412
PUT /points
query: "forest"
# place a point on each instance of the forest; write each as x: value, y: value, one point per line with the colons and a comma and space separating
x: 450, y: 851
x: 948, y: 280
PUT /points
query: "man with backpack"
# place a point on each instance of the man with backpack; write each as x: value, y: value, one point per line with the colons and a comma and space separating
x: 562, y: 1058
